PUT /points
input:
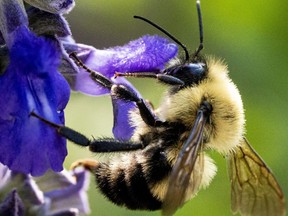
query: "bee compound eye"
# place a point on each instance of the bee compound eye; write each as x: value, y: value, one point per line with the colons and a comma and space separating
x: 190, y: 73
x: 196, y: 69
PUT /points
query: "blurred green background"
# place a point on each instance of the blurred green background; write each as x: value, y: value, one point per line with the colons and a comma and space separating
x: 252, y: 37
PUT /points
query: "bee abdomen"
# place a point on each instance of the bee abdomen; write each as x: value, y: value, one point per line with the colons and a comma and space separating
x: 134, y: 193
x: 128, y: 182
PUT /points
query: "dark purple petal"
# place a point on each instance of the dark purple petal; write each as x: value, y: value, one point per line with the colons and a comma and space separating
x: 44, y: 23
x: 12, y: 16
x: 53, y: 6
x: 4, y: 58
x: 1, y: 39
x: 32, y: 83
x: 12, y: 205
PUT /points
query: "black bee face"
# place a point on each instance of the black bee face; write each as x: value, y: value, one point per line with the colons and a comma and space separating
x: 189, y: 73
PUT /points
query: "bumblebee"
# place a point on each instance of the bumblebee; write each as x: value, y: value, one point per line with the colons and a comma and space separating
x: 165, y: 164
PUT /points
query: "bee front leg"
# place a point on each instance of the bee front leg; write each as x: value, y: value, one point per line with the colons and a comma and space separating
x: 95, y: 76
x: 123, y: 92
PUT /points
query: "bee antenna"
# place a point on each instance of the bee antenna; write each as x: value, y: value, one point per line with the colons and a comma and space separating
x: 168, y: 34
x: 200, y: 47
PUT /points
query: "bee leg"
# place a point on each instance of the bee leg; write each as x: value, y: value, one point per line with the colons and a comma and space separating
x: 95, y: 145
x: 163, y: 78
x: 123, y: 92
x: 95, y: 76
x: 111, y: 145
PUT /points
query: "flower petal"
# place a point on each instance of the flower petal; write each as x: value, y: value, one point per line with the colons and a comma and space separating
x: 64, y: 192
x: 82, y: 81
x: 122, y: 129
x: 148, y: 53
x: 44, y: 23
x: 32, y: 83
x: 53, y: 6
x: 5, y: 176
x: 24, y: 184
x: 12, y: 16
x: 12, y: 205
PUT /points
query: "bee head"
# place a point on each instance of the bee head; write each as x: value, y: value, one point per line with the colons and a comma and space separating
x: 190, y: 73
x: 193, y: 68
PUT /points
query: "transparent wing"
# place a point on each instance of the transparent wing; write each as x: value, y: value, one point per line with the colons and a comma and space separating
x: 254, y: 189
x: 181, y: 183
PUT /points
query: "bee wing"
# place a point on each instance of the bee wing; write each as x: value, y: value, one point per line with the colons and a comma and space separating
x: 254, y: 189
x: 189, y: 155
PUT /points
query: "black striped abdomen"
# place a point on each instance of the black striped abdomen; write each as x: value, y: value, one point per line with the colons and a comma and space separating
x: 127, y: 180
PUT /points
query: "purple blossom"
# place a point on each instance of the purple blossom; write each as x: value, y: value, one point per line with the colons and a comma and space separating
x: 148, y: 53
x: 30, y: 82
x: 63, y: 193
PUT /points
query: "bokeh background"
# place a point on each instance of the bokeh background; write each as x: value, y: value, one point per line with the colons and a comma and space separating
x: 252, y: 37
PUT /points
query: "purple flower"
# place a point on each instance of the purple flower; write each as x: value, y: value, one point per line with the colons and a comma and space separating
x: 63, y: 193
x: 65, y: 190
x: 30, y: 82
x: 148, y: 53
